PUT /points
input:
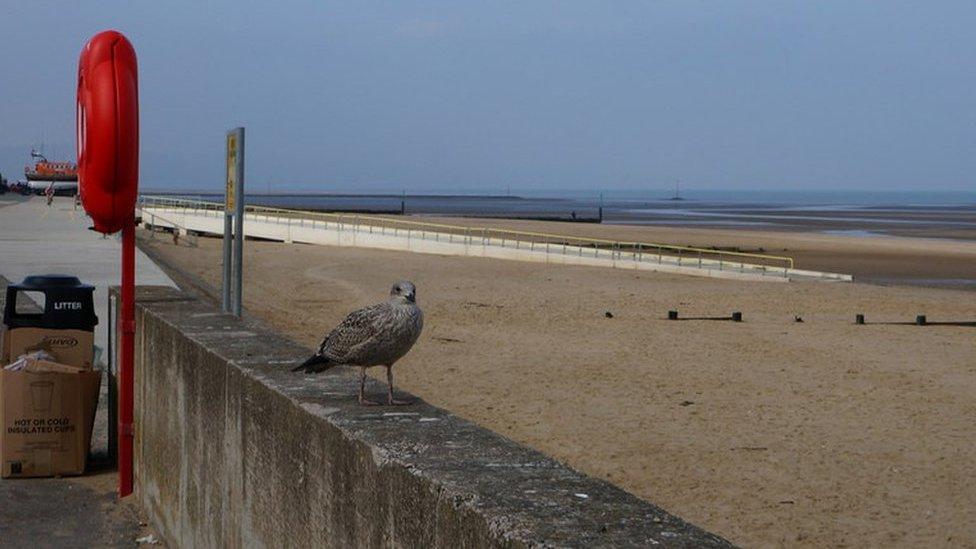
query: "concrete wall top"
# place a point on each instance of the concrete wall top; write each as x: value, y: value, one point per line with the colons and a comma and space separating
x: 235, y: 449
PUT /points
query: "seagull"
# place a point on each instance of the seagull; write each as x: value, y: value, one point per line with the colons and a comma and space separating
x: 377, y: 335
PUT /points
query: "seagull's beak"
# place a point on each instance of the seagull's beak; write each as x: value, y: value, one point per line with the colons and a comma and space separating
x: 412, y: 297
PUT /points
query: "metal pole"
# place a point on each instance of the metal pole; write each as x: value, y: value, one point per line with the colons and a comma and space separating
x: 127, y: 324
x: 112, y: 372
x: 239, y: 228
x: 228, y: 224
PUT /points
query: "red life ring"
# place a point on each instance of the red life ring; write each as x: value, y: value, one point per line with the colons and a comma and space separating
x: 108, y: 130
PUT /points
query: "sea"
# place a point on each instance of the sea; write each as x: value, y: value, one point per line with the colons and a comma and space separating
x: 949, y: 215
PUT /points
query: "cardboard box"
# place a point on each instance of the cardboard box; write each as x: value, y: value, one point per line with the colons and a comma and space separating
x: 46, y: 414
x: 71, y: 347
x: 47, y: 409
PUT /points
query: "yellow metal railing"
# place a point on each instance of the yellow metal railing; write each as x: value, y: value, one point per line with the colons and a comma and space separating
x: 488, y: 234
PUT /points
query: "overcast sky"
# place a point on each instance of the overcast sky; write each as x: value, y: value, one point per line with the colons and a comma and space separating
x: 475, y: 96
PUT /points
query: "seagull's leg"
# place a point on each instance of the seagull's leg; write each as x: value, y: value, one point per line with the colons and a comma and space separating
x: 389, y: 389
x: 363, y: 401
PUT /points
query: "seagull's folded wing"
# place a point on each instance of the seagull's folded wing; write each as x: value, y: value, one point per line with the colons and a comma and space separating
x: 357, y: 328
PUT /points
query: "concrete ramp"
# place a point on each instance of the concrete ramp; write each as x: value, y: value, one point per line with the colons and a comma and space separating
x: 420, y: 237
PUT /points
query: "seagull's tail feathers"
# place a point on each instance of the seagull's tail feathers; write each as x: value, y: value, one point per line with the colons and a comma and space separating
x: 315, y: 363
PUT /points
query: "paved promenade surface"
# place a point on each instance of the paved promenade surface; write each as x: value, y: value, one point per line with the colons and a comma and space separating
x: 78, y: 511
x: 40, y: 239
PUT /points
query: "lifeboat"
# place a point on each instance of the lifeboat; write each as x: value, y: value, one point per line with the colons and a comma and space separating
x: 43, y: 174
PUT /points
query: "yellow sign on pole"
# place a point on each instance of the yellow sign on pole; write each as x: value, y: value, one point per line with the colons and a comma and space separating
x: 229, y: 204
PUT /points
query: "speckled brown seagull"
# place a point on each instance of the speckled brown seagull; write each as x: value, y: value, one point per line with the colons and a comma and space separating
x: 377, y: 335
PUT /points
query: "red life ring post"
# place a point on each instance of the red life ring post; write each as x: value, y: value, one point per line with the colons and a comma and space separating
x: 108, y: 180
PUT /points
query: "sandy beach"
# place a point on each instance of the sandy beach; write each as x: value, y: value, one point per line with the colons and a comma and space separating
x: 933, y: 262
x: 770, y: 432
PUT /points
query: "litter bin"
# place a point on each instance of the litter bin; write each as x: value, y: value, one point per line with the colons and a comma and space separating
x: 64, y: 327
x: 58, y: 392
x: 68, y: 304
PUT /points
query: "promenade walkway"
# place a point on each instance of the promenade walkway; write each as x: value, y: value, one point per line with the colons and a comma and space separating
x: 77, y: 511
x: 40, y: 239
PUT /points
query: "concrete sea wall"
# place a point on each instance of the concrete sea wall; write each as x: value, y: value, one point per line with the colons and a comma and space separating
x: 233, y: 449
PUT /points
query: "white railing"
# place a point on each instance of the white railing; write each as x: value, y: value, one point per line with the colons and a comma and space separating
x: 180, y: 234
x: 566, y: 245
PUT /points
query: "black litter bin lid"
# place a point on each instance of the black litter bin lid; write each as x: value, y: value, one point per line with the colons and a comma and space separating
x: 68, y: 304
x: 42, y: 282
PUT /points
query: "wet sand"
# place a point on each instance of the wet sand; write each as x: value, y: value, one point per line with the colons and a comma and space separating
x: 770, y: 432
x: 956, y: 221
